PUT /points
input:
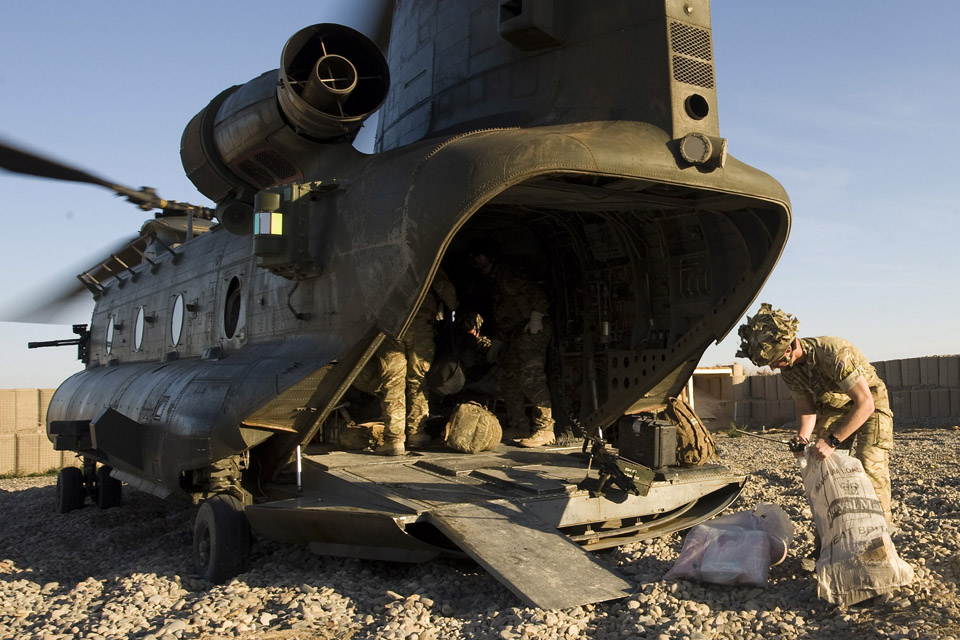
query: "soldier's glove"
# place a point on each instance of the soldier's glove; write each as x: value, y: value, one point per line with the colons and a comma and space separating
x: 797, y: 444
x: 535, y: 325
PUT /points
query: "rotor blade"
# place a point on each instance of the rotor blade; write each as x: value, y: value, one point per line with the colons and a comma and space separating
x: 64, y: 298
x: 67, y: 298
x: 64, y: 305
x: 18, y: 160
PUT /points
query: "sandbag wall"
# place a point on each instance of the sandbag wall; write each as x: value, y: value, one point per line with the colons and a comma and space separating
x: 24, y: 447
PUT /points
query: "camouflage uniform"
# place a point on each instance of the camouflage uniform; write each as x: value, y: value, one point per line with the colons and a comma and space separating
x: 397, y: 371
x: 419, y: 348
x: 830, y: 368
x: 384, y: 376
x: 522, y: 367
x: 765, y: 337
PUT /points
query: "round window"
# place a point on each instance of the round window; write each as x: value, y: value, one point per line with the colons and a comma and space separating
x: 110, y: 330
x: 231, y: 308
x: 176, y: 321
x: 138, y: 329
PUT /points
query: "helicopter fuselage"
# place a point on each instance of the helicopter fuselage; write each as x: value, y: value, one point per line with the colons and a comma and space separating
x: 668, y: 232
x: 583, y: 141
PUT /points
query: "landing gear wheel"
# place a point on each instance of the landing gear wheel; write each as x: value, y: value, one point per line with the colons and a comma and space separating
x: 110, y: 490
x: 70, y: 490
x: 221, y: 539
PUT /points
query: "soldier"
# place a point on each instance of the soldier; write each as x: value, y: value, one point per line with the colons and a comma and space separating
x: 384, y: 376
x: 397, y: 372
x: 419, y: 348
x: 522, y: 334
x: 837, y: 392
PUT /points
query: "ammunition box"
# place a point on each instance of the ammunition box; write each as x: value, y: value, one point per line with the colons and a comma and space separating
x: 652, y: 443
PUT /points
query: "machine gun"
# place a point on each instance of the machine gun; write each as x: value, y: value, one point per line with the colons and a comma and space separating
x: 623, y: 474
x: 82, y: 342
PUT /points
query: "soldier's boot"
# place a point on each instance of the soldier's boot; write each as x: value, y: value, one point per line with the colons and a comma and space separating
x: 390, y: 448
x: 540, y: 438
x: 418, y: 440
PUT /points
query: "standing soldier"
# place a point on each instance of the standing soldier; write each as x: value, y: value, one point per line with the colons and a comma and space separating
x: 523, y: 332
x: 419, y: 348
x: 383, y: 376
x: 397, y: 371
x: 837, y: 392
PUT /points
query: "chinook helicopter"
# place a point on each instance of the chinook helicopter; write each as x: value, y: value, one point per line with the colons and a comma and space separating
x: 224, y: 340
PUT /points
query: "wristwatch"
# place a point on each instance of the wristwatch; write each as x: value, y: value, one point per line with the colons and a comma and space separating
x: 832, y: 441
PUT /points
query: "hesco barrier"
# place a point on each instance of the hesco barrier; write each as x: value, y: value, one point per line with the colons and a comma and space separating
x: 24, y: 447
x: 923, y: 391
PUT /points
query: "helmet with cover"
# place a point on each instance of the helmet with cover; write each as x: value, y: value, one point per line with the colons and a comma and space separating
x: 766, y: 337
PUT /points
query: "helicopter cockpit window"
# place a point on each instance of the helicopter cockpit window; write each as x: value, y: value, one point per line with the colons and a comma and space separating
x: 176, y: 321
x: 138, y: 329
x: 110, y: 329
x: 231, y: 308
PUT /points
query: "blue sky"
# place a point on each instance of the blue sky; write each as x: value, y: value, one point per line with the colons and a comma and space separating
x: 850, y: 105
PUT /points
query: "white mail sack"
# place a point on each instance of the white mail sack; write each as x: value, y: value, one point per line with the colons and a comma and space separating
x: 857, y: 558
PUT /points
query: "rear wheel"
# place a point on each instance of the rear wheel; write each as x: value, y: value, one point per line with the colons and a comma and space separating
x: 110, y: 490
x: 221, y: 539
x: 69, y: 489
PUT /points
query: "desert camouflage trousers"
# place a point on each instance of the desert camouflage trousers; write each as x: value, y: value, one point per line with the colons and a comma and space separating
x: 872, y: 444
x: 419, y: 349
x: 384, y: 376
x: 396, y: 374
x: 523, y: 376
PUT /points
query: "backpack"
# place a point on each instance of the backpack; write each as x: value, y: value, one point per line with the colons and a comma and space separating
x: 695, y: 444
x: 472, y: 429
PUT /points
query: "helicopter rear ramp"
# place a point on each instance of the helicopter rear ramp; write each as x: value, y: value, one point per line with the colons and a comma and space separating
x: 530, y: 517
x: 527, y: 556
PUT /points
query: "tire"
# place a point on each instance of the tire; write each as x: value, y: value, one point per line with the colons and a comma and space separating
x: 221, y: 539
x: 69, y: 489
x: 110, y: 490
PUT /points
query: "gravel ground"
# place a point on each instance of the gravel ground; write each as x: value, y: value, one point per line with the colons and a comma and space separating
x: 125, y: 573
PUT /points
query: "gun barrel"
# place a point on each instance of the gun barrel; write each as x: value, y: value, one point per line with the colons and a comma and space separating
x: 54, y: 343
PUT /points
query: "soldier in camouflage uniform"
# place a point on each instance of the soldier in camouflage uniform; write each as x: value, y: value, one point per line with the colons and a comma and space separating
x: 384, y: 376
x: 837, y: 392
x: 523, y: 331
x: 397, y: 372
x: 419, y: 348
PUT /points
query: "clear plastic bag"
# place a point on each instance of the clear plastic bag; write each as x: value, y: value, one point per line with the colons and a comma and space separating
x: 857, y: 558
x: 735, y: 549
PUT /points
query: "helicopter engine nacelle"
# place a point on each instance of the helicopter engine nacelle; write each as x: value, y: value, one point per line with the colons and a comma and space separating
x: 285, y: 125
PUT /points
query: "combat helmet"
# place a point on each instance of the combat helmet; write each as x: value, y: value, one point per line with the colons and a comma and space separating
x: 765, y: 337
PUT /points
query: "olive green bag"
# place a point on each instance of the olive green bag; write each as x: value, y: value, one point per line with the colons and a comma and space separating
x: 695, y: 444
x: 472, y: 429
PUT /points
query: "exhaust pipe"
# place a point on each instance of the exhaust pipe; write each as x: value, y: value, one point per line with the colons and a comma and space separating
x: 287, y: 124
x: 331, y: 79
